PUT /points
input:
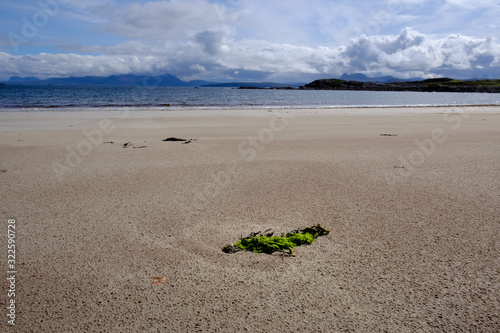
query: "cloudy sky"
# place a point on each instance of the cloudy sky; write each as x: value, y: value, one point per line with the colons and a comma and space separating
x: 262, y: 40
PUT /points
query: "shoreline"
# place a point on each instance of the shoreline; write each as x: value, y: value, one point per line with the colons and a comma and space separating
x: 229, y: 107
x: 56, y: 119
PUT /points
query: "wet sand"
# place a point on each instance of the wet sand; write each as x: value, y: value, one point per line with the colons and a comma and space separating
x: 411, y: 196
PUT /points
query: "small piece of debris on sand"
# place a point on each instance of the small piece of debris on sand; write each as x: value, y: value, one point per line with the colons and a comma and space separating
x: 174, y: 139
x: 157, y: 279
x: 388, y: 134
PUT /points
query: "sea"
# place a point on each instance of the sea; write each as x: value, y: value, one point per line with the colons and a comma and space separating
x: 88, y: 98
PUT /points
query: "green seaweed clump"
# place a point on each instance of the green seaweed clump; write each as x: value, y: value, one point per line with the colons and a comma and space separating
x: 263, y: 242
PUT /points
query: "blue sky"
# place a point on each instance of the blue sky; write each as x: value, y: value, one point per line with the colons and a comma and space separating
x: 224, y: 40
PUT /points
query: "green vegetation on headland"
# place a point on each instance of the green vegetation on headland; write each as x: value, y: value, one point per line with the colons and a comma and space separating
x: 265, y: 242
x: 438, y: 85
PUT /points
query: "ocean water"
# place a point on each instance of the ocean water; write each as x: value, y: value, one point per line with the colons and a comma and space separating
x: 71, y: 98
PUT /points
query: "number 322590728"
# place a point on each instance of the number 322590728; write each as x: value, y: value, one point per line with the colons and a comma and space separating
x: 11, y: 235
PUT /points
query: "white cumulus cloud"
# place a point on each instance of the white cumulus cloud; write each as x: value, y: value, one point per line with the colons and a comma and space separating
x: 411, y: 51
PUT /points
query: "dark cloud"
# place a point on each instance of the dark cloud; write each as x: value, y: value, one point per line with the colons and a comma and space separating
x: 210, y: 40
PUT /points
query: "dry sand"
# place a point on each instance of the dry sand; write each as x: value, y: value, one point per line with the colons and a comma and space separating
x: 414, y: 220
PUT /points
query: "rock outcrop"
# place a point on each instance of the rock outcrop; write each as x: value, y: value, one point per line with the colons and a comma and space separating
x: 438, y: 85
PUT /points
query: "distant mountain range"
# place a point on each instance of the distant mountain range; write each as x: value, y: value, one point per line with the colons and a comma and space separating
x: 23, y: 79
x: 168, y: 80
x: 381, y: 79
x: 165, y: 80
x: 355, y: 81
x: 254, y: 85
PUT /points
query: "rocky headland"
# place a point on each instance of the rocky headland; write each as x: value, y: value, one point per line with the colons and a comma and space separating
x: 438, y: 85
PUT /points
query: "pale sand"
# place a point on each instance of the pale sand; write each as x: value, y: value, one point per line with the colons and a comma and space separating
x: 410, y: 249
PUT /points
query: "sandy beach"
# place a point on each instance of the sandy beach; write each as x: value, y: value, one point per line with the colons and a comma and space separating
x: 411, y: 196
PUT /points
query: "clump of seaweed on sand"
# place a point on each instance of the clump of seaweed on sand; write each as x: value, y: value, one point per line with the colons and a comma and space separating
x: 266, y: 242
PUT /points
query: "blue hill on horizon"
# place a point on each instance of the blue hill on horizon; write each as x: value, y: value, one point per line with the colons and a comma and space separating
x: 380, y: 79
x: 165, y: 80
x: 168, y: 80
